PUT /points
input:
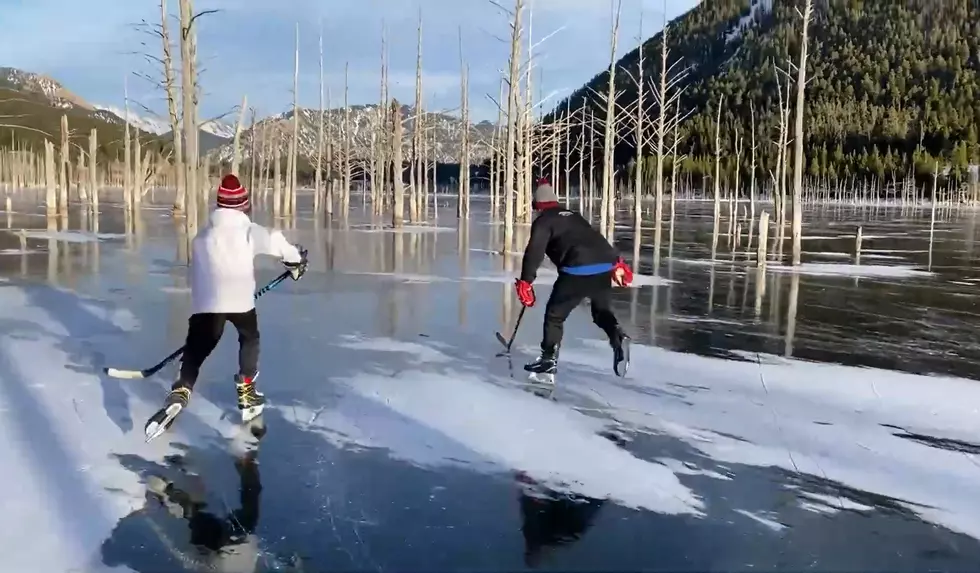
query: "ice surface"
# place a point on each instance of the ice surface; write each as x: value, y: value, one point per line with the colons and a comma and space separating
x: 388, y: 406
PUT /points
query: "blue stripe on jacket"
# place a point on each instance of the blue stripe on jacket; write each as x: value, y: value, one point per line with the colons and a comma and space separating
x: 588, y: 270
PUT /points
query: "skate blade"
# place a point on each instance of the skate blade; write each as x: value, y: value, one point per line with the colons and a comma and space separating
x: 541, y: 378
x: 623, y: 366
x: 251, y: 413
x: 155, y: 428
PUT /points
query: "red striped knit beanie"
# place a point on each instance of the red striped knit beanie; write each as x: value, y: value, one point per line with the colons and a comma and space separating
x: 232, y: 195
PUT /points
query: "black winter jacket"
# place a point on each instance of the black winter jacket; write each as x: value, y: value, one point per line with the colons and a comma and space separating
x: 571, y: 243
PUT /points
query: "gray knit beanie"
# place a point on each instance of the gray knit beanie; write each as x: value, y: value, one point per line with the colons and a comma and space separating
x: 544, y: 192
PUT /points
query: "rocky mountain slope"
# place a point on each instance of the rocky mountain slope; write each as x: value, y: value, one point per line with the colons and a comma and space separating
x: 892, y: 85
x: 444, y: 131
x: 31, y: 107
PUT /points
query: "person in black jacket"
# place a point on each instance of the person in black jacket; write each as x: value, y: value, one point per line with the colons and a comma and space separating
x: 587, y: 266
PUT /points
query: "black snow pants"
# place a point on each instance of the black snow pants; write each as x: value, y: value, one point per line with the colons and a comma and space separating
x: 569, y: 291
x: 203, y: 333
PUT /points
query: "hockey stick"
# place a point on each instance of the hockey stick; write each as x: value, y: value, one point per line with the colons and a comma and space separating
x: 508, y: 343
x: 147, y: 372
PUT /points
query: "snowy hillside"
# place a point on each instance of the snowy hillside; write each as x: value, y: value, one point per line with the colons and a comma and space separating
x: 445, y: 132
x: 756, y: 10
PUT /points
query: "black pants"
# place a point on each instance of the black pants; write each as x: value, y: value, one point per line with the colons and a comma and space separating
x: 569, y: 291
x: 203, y: 333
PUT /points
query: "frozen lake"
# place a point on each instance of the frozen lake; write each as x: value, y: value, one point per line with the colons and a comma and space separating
x: 824, y: 420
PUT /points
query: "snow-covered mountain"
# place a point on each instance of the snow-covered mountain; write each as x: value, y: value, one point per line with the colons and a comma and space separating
x: 149, y: 124
x: 444, y: 131
x: 42, y: 85
x: 161, y: 125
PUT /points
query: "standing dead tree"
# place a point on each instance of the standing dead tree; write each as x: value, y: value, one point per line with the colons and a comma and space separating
x: 418, y: 132
x: 189, y: 101
x: 608, y: 212
x: 752, y: 168
x: 513, y: 91
x: 290, y: 208
x: 236, y: 159
x: 397, y: 174
x: 798, y: 161
x: 463, y: 202
x: 318, y: 176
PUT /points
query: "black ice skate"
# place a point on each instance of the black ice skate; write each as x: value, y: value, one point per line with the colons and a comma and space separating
x: 161, y: 421
x: 251, y: 402
x: 543, y: 370
x: 621, y: 352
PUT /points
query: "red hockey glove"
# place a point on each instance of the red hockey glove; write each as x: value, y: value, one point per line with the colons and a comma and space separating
x: 525, y: 292
x: 622, y: 274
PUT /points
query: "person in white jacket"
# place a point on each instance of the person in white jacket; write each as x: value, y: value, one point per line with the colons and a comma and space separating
x: 222, y: 290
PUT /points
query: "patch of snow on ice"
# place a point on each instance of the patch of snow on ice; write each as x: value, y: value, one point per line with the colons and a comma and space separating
x: 837, y: 503
x: 649, y: 280
x: 881, y: 257
x: 828, y: 254
x: 17, y: 252
x: 405, y: 277
x: 66, y: 236
x: 767, y: 522
x: 407, y: 229
x: 512, y: 429
x: 421, y: 352
x: 826, y: 421
x: 833, y: 269
x: 700, y: 319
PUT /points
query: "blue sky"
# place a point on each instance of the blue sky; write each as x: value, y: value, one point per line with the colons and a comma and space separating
x: 247, y: 48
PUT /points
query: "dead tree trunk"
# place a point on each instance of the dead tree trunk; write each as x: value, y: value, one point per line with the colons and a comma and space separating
x: 93, y: 173
x: 188, y: 73
x: 463, y: 205
x: 798, y: 137
x: 169, y: 84
x: 236, y: 160
x: 63, y: 163
x: 512, y: 119
x: 398, y: 189
x: 608, y: 213
x: 752, y: 168
x: 318, y: 176
x: 294, y: 142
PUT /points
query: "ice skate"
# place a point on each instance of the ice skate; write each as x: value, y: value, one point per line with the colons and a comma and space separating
x: 543, y: 370
x: 161, y: 421
x: 251, y: 402
x: 621, y: 352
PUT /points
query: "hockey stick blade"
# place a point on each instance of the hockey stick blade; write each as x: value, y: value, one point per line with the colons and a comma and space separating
x: 502, y: 340
x: 125, y: 374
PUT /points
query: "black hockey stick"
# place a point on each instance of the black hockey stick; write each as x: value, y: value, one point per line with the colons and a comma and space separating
x: 147, y: 372
x: 508, y: 343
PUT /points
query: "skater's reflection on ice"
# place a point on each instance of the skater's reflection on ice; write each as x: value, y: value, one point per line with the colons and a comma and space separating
x: 223, y: 541
x: 550, y: 519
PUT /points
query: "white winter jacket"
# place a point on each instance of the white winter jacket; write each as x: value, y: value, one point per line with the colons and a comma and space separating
x: 223, y: 261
